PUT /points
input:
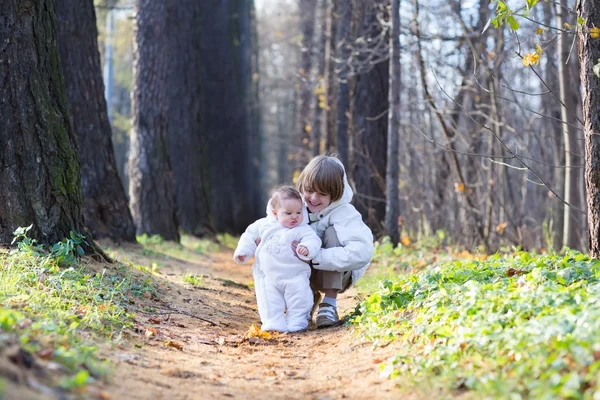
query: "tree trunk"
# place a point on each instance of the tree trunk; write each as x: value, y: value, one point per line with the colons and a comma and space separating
x: 343, y: 48
x: 305, y: 83
x: 589, y: 53
x: 187, y: 138
x: 151, y: 188
x: 370, y: 104
x: 227, y: 120
x: 319, y: 94
x: 105, y: 206
x: 40, y: 172
x: 569, y: 130
x: 392, y: 211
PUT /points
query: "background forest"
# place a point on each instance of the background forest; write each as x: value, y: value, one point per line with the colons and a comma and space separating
x: 317, y: 75
x: 470, y: 134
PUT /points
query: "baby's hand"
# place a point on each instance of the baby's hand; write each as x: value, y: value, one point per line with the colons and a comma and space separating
x: 302, y: 250
x: 241, y: 258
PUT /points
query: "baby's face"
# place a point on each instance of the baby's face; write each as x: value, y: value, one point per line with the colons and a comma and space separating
x: 289, y: 212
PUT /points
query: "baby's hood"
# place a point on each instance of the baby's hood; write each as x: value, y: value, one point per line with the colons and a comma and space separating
x: 271, y: 216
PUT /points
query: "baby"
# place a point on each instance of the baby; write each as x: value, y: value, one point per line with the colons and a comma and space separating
x: 281, y: 280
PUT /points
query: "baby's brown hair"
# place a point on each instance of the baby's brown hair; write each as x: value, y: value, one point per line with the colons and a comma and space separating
x: 323, y: 174
x: 283, y: 193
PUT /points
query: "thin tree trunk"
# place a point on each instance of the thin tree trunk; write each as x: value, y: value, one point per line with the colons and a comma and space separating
x: 589, y: 53
x: 105, y: 205
x: 392, y: 210
x: 150, y: 186
x: 305, y: 83
x: 343, y: 89
x: 568, y: 108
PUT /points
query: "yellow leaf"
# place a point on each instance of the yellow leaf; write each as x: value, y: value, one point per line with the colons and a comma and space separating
x: 295, y: 177
x: 567, y: 26
x: 595, y: 32
x: 172, y: 343
x: 305, y: 140
x: 290, y: 157
x: 539, y: 31
x: 255, y: 331
x: 405, y: 240
x: 308, y: 128
x: 531, y: 59
x: 501, y: 227
x: 538, y: 49
x: 459, y: 187
x: 322, y: 104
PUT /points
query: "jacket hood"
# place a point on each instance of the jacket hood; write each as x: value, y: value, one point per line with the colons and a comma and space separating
x: 346, y: 196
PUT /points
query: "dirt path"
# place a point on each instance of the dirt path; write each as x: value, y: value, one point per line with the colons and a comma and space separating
x: 216, y: 361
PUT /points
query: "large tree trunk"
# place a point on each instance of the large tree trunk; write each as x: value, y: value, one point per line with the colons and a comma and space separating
x: 370, y: 104
x: 589, y: 53
x: 392, y: 211
x: 39, y: 168
x: 187, y: 137
x: 105, y: 206
x: 150, y: 186
x: 569, y: 102
x: 227, y: 119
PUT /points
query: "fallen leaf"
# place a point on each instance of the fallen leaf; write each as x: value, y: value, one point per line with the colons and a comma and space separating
x: 172, y: 343
x: 150, y: 332
x: 154, y: 320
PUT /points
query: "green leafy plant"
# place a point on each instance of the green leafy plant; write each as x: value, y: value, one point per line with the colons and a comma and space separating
x: 194, y: 280
x: 517, y: 326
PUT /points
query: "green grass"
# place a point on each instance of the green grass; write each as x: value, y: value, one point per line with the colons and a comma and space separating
x: 60, y: 307
x: 517, y: 326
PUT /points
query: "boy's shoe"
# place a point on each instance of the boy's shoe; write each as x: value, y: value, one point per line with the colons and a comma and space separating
x: 327, y: 316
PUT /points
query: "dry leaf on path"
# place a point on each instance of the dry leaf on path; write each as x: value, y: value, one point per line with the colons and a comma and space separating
x: 172, y: 343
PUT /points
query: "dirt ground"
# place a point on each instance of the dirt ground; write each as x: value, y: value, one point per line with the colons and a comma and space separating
x: 192, y: 343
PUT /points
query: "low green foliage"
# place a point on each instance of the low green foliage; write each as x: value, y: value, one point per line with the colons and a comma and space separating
x: 516, y: 326
x: 59, y: 307
x: 227, y: 240
x: 194, y: 280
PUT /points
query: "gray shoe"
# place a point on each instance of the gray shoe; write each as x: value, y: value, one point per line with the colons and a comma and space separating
x: 327, y: 316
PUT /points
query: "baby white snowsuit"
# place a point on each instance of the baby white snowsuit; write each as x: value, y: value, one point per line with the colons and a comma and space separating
x: 281, y: 280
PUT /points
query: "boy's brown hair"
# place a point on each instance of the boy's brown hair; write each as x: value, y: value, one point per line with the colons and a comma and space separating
x: 323, y: 174
x: 283, y: 193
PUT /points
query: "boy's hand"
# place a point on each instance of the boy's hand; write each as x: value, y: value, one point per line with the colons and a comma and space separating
x: 241, y: 258
x: 302, y: 250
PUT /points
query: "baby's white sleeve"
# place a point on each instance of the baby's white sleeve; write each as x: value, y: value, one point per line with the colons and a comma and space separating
x: 247, y: 243
x: 309, y: 239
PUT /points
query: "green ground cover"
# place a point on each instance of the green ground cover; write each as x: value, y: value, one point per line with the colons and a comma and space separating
x: 520, y: 325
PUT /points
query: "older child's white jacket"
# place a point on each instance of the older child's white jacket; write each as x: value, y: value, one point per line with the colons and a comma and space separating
x: 273, y: 256
x: 354, y: 235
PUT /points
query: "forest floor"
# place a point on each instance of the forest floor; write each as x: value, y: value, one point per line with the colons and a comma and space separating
x: 193, y: 340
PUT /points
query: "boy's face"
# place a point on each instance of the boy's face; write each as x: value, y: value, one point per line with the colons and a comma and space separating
x: 316, y: 200
x: 289, y: 212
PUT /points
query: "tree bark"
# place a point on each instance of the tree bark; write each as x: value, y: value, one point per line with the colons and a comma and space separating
x: 343, y: 48
x: 589, y: 53
x: 187, y: 137
x: 370, y: 104
x: 569, y: 102
x: 39, y: 168
x: 392, y: 210
x: 305, y: 83
x: 151, y: 189
x: 227, y: 119
x: 105, y: 205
